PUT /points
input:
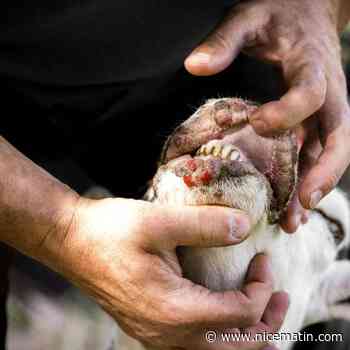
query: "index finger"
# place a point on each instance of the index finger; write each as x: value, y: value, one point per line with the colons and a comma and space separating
x: 335, y: 157
x: 307, y: 90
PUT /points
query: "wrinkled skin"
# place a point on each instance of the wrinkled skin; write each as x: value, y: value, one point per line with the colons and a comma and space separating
x: 300, y: 37
x: 135, y: 275
x: 122, y: 253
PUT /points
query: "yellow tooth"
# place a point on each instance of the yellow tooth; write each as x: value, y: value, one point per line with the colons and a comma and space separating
x: 234, y: 155
x: 209, y: 147
x: 226, y: 151
x: 201, y: 151
x: 216, y: 151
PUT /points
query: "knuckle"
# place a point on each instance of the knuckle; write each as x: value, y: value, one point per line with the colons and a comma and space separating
x: 316, y: 92
x: 331, y: 181
x: 218, y: 38
x: 273, y: 119
x: 204, y: 238
x: 206, y: 234
x: 151, y: 225
x: 282, y: 123
x: 253, y: 311
x: 339, y: 76
x: 215, y: 231
x: 254, y: 314
x: 143, y: 224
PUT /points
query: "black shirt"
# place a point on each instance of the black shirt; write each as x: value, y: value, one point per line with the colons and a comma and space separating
x: 84, y: 42
x: 69, y: 64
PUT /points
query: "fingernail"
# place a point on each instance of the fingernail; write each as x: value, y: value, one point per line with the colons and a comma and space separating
x: 198, y: 58
x: 239, y: 227
x: 315, y: 198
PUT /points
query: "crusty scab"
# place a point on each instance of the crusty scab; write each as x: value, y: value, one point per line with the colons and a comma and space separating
x: 220, y: 129
x: 207, y: 123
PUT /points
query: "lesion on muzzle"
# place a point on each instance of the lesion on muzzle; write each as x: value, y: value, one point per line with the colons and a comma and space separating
x: 219, y: 119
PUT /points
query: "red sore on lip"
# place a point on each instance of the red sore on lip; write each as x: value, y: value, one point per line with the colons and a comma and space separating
x: 188, y: 181
x: 206, y: 177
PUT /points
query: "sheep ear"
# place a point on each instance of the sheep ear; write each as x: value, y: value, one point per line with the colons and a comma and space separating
x: 330, y: 299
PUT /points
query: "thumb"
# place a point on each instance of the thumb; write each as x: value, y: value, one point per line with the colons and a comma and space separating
x: 201, y: 226
x: 223, y: 45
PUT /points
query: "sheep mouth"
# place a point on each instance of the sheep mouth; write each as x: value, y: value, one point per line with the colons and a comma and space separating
x: 220, y: 133
x: 211, y: 163
x: 219, y: 174
x: 234, y: 158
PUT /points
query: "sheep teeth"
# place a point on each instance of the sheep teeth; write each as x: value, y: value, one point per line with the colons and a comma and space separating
x: 235, y: 155
x: 211, y: 146
x: 226, y: 152
x: 216, y: 149
x: 201, y: 151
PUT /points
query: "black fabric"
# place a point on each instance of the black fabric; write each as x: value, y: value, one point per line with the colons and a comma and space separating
x: 65, y: 66
x: 85, y: 42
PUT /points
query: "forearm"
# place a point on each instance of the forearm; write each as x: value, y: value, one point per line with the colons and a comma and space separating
x: 35, y: 208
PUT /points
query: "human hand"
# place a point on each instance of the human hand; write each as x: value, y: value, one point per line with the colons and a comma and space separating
x: 122, y: 253
x: 301, y: 37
